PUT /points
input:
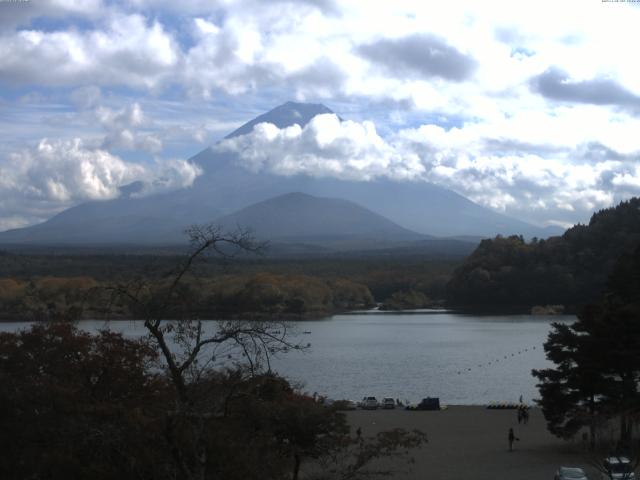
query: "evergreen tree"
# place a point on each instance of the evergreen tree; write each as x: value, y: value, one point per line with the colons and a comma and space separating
x: 597, y: 361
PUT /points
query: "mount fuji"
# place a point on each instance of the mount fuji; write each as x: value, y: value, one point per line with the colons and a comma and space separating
x: 298, y: 208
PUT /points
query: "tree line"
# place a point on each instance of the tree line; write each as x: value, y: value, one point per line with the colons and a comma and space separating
x: 71, y: 286
x: 570, y: 270
x: 226, y: 296
x: 596, y: 375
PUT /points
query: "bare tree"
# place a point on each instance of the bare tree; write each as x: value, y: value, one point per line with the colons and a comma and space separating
x: 193, y: 351
x: 188, y: 346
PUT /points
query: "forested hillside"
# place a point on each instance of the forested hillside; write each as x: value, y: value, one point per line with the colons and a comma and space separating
x: 570, y: 270
x: 225, y: 296
x: 66, y: 285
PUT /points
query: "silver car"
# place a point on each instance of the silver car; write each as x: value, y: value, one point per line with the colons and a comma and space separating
x: 388, y: 403
x: 570, y: 473
x: 370, y: 403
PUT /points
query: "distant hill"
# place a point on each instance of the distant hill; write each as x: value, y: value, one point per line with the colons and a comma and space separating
x: 571, y: 270
x: 298, y: 217
x: 226, y: 187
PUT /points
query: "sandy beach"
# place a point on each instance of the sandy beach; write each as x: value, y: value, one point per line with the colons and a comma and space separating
x: 471, y: 443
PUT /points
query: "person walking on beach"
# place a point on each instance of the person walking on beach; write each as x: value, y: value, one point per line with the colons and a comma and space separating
x: 512, y: 437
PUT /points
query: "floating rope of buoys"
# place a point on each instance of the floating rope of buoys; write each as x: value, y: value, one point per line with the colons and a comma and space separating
x: 506, y: 405
x: 508, y: 356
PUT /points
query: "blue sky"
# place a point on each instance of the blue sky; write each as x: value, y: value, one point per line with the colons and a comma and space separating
x: 530, y: 108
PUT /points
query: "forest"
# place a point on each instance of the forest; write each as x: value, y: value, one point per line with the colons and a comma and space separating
x: 503, y: 274
x: 509, y: 273
x: 72, y: 286
x: 596, y: 372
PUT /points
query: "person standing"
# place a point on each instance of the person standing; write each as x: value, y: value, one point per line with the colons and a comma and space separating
x: 512, y: 437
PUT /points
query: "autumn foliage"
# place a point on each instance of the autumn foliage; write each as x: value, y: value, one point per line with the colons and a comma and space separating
x: 75, y: 405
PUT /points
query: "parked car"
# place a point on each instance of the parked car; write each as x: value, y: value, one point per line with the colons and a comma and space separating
x: 570, y: 473
x: 618, y: 468
x: 426, y: 404
x: 345, y: 405
x: 351, y: 405
x: 388, y: 402
x: 369, y: 403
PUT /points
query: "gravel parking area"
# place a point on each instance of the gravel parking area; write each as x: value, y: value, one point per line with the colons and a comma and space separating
x: 471, y: 443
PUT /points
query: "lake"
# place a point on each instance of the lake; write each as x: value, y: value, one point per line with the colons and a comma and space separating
x: 462, y: 359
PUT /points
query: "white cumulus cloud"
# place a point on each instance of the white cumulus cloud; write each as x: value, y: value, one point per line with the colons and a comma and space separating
x: 56, y: 174
x: 502, y: 173
x: 324, y: 147
x: 128, y: 50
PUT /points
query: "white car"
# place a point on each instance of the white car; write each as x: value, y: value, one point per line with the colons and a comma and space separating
x: 370, y: 403
x: 350, y: 405
x: 388, y: 403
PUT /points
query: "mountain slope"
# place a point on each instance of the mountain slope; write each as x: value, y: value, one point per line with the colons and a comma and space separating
x: 155, y: 220
x: 299, y: 217
x: 226, y: 186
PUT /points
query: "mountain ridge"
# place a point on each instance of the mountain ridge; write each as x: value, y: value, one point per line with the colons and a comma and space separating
x: 297, y: 216
x: 226, y: 187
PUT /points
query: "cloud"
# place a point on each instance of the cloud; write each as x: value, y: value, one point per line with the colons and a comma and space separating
x: 120, y: 126
x: 88, y: 68
x: 420, y: 55
x: 128, y: 140
x: 131, y: 116
x: 13, y: 14
x: 66, y: 171
x: 557, y: 85
x: 129, y: 51
x: 541, y: 182
x: 537, y: 182
x: 325, y: 147
x: 86, y: 97
x: 320, y: 79
x: 169, y: 175
x: 56, y: 174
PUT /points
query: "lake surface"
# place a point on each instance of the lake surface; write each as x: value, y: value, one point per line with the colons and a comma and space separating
x: 462, y: 359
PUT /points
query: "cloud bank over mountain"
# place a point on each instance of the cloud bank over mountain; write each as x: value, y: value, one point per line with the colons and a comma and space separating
x: 37, y: 181
x: 519, y: 109
x: 487, y: 170
x: 326, y: 147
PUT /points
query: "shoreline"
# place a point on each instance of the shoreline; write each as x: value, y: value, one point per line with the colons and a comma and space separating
x: 314, y: 316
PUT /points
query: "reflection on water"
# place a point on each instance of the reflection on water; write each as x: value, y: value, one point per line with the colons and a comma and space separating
x: 463, y: 359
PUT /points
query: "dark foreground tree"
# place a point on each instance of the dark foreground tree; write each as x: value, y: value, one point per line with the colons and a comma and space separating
x: 188, y: 348
x: 195, y: 352
x: 571, y: 392
x: 597, y: 358
x: 75, y: 405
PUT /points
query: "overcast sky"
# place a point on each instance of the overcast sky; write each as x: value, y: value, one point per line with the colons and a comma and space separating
x: 531, y: 108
